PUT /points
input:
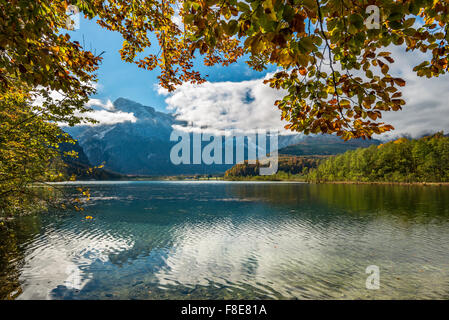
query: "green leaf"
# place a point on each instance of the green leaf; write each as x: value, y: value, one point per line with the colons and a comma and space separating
x: 395, y: 16
x: 188, y: 19
x: 307, y: 44
x: 408, y: 23
x: 356, y: 20
x: 232, y: 27
x: 243, y: 7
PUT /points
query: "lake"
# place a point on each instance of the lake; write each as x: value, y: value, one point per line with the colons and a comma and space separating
x: 232, y: 240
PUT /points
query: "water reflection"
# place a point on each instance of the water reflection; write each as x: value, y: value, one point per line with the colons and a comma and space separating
x: 62, y: 259
x: 157, y: 240
x: 14, y: 234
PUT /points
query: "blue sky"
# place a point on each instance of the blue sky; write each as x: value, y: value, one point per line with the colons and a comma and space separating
x: 117, y: 78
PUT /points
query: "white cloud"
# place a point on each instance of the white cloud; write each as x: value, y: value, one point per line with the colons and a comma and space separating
x: 108, y: 117
x: 177, y: 19
x: 243, y: 106
x: 105, y: 113
x: 54, y: 96
x: 427, y: 100
x: 98, y: 103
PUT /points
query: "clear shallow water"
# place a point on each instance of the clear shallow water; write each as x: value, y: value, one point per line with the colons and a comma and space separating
x: 232, y: 240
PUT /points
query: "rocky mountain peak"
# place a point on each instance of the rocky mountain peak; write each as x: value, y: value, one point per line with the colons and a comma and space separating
x: 140, y: 111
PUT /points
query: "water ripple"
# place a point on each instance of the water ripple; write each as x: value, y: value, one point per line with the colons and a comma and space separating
x: 236, y: 241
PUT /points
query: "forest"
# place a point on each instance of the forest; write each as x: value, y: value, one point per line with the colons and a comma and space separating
x: 289, y: 168
x: 402, y: 160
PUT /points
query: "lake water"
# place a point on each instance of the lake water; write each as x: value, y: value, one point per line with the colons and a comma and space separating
x: 232, y: 240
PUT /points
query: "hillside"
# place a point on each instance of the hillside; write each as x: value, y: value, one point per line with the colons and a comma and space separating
x: 288, y: 167
x: 402, y: 160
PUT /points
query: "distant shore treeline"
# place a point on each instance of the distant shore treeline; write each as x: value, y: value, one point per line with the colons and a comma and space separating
x: 402, y: 160
x: 289, y: 168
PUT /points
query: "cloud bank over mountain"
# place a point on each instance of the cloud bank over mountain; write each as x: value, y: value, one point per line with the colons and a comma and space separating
x: 106, y: 113
x: 103, y: 112
x: 245, y: 105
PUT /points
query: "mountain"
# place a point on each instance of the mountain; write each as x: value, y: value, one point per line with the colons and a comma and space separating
x: 143, y: 147
x: 138, y: 148
x: 81, y: 167
x: 325, y: 145
x: 128, y: 147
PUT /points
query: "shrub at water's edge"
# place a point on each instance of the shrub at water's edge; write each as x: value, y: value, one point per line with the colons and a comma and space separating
x: 33, y: 152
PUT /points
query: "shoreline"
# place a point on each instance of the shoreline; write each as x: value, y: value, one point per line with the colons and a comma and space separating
x: 423, y: 184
